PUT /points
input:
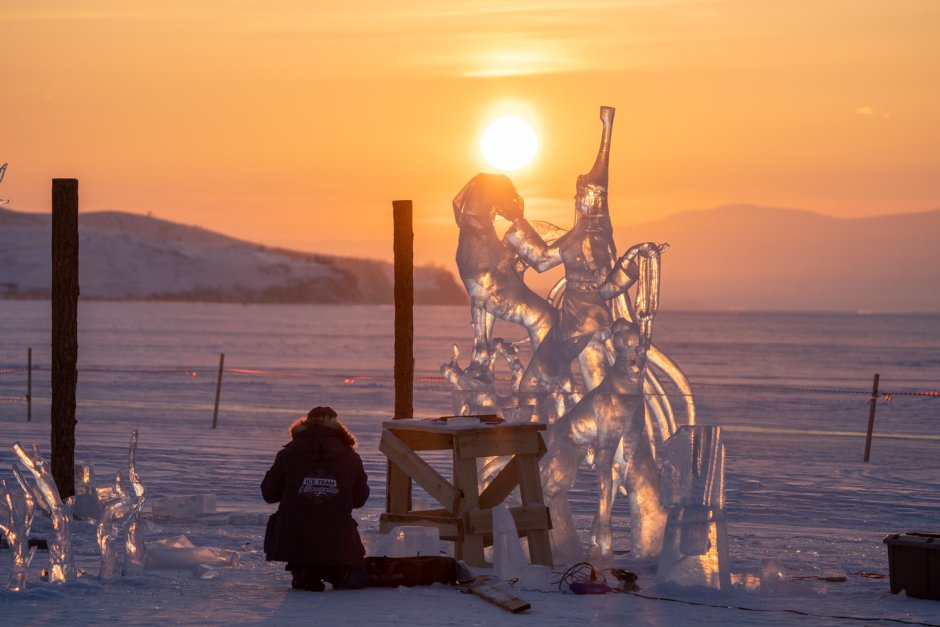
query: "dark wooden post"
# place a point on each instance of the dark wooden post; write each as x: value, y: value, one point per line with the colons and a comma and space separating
x: 29, y: 384
x: 64, y: 371
x: 871, y: 416
x: 218, y: 389
x: 403, y: 248
x: 397, y: 483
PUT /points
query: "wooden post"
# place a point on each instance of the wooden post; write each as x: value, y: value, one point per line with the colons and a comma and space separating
x: 218, y: 390
x: 29, y: 385
x: 64, y: 371
x: 871, y: 416
x: 403, y: 248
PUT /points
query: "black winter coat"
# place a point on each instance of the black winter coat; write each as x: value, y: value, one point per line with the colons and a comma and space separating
x: 318, y: 479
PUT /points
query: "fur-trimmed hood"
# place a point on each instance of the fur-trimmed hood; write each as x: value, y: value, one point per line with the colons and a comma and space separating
x: 304, y: 424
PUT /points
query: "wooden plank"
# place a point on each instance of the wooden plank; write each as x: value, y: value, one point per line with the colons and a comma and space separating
x: 398, y: 490
x: 501, y: 486
x: 481, y: 587
x: 494, y: 442
x: 424, y: 441
x: 435, y: 426
x: 540, y: 548
x: 419, y: 470
x: 449, y: 528
x: 530, y: 489
x: 527, y: 518
x: 530, y: 481
x: 470, y: 548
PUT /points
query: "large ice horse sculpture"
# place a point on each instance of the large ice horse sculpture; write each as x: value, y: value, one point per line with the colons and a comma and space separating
x: 618, y: 408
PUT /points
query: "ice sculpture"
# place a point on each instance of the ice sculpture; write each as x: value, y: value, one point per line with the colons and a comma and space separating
x: 588, y: 254
x: 489, y: 270
x: 46, y: 496
x: 115, y: 508
x: 621, y: 424
x: 135, y: 551
x: 19, y: 518
x: 695, y: 541
x: 3, y: 169
x: 475, y: 388
x: 116, y: 512
x: 610, y: 419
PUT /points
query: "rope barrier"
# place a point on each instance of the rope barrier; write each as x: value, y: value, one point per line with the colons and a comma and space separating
x: 14, y: 370
x: 351, y: 379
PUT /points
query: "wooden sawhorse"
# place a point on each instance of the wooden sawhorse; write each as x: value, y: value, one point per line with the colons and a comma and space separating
x: 466, y: 517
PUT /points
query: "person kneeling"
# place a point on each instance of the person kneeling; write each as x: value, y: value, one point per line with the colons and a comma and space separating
x: 317, y: 479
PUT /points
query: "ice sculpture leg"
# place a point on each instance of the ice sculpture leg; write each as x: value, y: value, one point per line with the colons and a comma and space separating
x: 695, y: 542
x: 647, y: 516
x: 46, y: 495
x: 16, y: 530
x: 570, y: 439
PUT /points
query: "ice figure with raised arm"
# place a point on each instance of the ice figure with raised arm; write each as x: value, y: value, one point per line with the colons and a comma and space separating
x: 610, y: 421
x: 587, y: 254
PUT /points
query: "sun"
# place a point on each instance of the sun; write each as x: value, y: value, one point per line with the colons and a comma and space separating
x: 509, y: 143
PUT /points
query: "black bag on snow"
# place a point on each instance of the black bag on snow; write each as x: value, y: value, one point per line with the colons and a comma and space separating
x: 391, y: 572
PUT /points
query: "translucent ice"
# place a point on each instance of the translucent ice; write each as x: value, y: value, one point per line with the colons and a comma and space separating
x: 619, y: 413
x: 46, y: 495
x: 508, y: 558
x: 695, y: 541
x: 183, y: 506
x: 15, y: 527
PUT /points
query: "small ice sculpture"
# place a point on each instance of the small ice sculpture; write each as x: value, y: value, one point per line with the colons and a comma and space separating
x: 3, y: 169
x: 116, y: 511
x: 135, y: 551
x: 46, y: 495
x: 19, y: 518
x: 695, y: 541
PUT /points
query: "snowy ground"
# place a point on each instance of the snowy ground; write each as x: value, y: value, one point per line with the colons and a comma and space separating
x: 798, y: 492
x: 815, y: 510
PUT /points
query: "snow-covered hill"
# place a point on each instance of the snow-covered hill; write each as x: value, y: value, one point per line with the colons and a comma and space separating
x: 124, y: 256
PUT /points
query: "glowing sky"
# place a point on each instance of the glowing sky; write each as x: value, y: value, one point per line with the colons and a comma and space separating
x: 297, y: 122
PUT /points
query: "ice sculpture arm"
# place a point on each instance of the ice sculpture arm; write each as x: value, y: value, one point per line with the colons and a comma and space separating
x: 626, y: 270
x: 361, y: 487
x: 273, y: 484
x: 529, y: 245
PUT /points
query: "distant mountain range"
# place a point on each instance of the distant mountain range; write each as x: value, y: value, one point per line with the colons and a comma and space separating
x: 736, y: 258
x: 124, y: 256
x: 744, y: 257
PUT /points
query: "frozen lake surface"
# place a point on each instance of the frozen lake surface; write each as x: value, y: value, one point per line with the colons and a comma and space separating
x: 790, y: 390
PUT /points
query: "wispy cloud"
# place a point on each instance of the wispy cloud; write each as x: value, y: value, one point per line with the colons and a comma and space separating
x: 871, y: 111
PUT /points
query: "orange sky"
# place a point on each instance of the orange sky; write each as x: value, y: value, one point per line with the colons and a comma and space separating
x: 296, y: 122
